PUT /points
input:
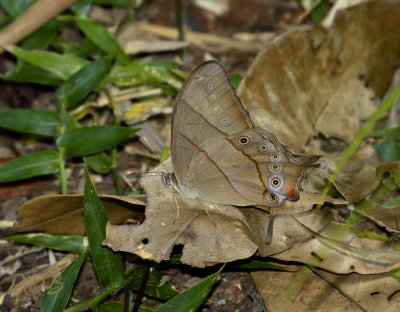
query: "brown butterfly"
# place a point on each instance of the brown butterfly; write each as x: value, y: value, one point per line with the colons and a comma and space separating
x: 220, y: 157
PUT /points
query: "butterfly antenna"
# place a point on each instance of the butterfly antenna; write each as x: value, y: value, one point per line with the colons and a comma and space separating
x: 144, y: 142
x: 147, y: 131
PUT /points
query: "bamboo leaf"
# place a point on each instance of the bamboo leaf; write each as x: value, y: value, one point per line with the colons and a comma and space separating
x: 79, y: 85
x: 63, y: 66
x: 109, y: 265
x: 90, y: 140
x: 31, y: 165
x: 32, y: 121
x: 190, y: 299
x: 58, y: 294
x: 62, y: 242
x: 101, y: 37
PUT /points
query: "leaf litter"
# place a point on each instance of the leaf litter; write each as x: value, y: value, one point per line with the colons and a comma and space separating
x: 298, y: 87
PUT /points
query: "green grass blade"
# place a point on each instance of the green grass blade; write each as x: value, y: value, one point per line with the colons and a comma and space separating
x: 192, y: 298
x: 62, y: 242
x: 63, y: 66
x: 101, y: 37
x: 80, y: 84
x: 31, y: 165
x: 58, y: 294
x: 365, y: 130
x: 31, y: 121
x: 42, y: 37
x: 109, y: 265
x: 25, y: 72
x: 90, y: 140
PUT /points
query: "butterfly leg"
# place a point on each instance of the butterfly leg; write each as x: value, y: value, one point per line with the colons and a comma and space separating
x: 218, y: 208
x: 270, y: 229
x: 178, y: 208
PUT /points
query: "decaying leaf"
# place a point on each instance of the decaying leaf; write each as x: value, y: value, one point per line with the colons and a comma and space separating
x: 57, y: 213
x: 348, y: 252
x: 296, y: 89
x: 351, y: 292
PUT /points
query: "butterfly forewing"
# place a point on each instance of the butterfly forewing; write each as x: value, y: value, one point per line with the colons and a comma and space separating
x: 217, y: 154
x: 206, y: 111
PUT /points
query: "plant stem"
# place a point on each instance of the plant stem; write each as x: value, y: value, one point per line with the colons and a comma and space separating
x: 114, y: 159
x: 117, y: 178
x: 92, y: 302
x: 61, y: 150
x: 63, y: 176
x: 181, y: 26
x: 363, y: 207
x: 368, y: 126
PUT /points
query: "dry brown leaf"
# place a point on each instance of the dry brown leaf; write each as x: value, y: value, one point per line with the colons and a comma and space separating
x: 349, y: 254
x: 296, y: 88
x: 57, y: 213
x: 387, y: 218
x: 364, y: 292
x: 209, y: 233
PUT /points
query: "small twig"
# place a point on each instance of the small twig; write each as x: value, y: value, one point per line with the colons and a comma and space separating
x: 114, y: 159
x: 140, y: 294
x: 18, y: 255
x: 211, y: 42
x: 37, y: 15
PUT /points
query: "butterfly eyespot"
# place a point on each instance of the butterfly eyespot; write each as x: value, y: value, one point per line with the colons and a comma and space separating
x: 271, y: 196
x: 244, y: 140
x: 275, y: 167
x: 210, y: 86
x: 213, y: 97
x: 276, y: 182
x: 224, y: 120
x: 275, y: 157
x: 263, y: 147
x: 215, y: 108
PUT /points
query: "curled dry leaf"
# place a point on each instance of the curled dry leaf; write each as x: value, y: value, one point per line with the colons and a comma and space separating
x: 63, y: 214
x: 209, y: 233
x: 324, y: 291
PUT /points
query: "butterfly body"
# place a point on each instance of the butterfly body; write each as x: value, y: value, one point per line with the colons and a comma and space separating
x: 219, y: 156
